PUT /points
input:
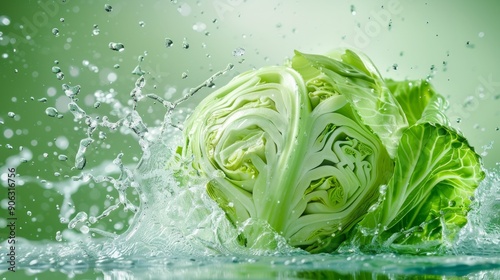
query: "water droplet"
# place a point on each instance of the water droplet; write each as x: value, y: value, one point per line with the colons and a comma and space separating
x: 138, y: 71
x: 481, y: 34
x: 452, y: 203
x: 62, y: 157
x: 51, y: 112
x: 29, y: 213
x: 116, y: 46
x: 71, y: 91
x: 58, y: 236
x: 108, y: 8
x: 55, y: 31
x: 218, y: 174
x: 141, y: 23
x: 96, y: 30
x: 84, y: 229
x: 11, y: 114
x: 97, y: 104
x: 459, y: 120
x: 185, y: 44
x: 116, y: 66
x: 80, y: 217
x: 60, y: 76
x: 43, y: 100
x: 239, y: 52
x: 92, y: 219
x: 395, y: 66
x: 102, y: 135
x: 184, y: 75
x: 78, y: 112
x: 168, y: 42
x: 353, y: 10
x: 56, y: 69
x: 61, y: 19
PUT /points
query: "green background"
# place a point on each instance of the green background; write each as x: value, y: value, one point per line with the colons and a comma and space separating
x: 454, y: 42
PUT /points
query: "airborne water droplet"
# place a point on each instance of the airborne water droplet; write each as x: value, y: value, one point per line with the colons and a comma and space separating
x: 58, y: 236
x: 185, y: 44
x: 96, y: 30
x: 108, y: 8
x: 168, y: 42
x: 55, y: 31
x: 116, y: 46
x: 71, y: 91
x: 239, y: 52
x: 11, y: 114
x: 51, y: 112
x: 62, y: 157
x: 56, y: 69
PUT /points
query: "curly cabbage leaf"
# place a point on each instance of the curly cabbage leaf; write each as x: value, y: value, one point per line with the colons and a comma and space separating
x: 310, y: 172
x: 305, y: 148
x: 426, y: 201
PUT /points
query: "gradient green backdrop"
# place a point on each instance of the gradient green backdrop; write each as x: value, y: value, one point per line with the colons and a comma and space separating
x: 455, y: 42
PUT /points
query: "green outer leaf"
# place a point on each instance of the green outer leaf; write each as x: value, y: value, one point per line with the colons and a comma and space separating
x: 435, y: 175
x: 419, y: 101
x: 363, y: 88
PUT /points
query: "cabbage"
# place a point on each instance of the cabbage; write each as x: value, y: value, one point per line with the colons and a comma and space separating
x: 306, y: 149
